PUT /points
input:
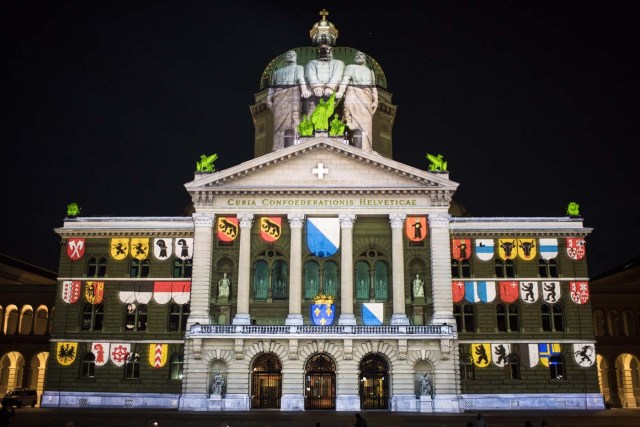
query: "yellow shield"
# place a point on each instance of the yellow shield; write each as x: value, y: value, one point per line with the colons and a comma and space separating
x: 158, y: 355
x: 140, y: 248
x: 66, y: 352
x: 119, y: 248
x: 481, y: 354
x: 508, y: 248
x: 527, y: 249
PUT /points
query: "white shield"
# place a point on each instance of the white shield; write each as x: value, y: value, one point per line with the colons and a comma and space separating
x: 551, y: 292
x: 184, y: 247
x: 584, y: 354
x: 548, y: 248
x: 529, y: 291
x: 162, y: 248
x: 484, y: 249
x: 119, y: 353
x: 101, y: 351
x: 499, y: 353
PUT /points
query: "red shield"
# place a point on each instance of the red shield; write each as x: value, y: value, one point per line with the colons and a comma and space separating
x: 579, y: 292
x: 75, y: 249
x: 576, y: 247
x: 70, y: 291
x: 270, y: 228
x: 461, y: 248
x: 509, y: 291
x: 227, y: 228
x: 416, y: 228
x: 457, y: 291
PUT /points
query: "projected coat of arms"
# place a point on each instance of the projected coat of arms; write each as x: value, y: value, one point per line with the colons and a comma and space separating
x: 323, y: 310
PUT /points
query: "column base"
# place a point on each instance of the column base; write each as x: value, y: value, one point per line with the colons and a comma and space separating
x: 399, y: 319
x: 241, y: 319
x: 294, y: 319
x: 347, y: 319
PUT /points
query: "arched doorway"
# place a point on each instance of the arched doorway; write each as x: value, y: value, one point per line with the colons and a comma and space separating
x: 266, y: 382
x: 320, y: 383
x: 374, y: 382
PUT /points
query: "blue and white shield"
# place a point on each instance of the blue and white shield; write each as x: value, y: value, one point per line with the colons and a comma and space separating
x: 548, y: 248
x: 484, y: 249
x: 323, y: 236
x: 322, y: 314
x: 372, y: 313
x: 480, y: 291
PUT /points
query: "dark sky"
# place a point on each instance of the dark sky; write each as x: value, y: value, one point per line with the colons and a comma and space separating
x: 110, y: 104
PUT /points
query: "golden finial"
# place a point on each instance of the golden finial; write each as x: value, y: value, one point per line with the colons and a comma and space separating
x: 324, y: 13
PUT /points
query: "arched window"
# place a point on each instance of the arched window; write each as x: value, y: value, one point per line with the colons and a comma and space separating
x: 26, y: 320
x: 279, y: 280
x: 96, y: 267
x: 465, y: 318
x: 11, y: 320
x: 182, y: 268
x: 551, y: 317
x: 556, y: 367
x: 362, y: 280
x: 512, y: 367
x: 506, y: 268
x: 371, y: 276
x: 178, y: 315
x: 499, y: 268
x: 311, y: 279
x: 92, y: 317
x: 132, y: 367
x: 381, y: 279
x: 599, y: 326
x: 330, y: 279
x: 270, y: 276
x: 139, y: 268
x: 547, y: 268
x: 42, y: 321
x: 613, y: 320
x: 176, y: 366
x: 467, y: 371
x: 629, y: 323
x: 261, y: 280
x: 135, y: 317
x: 508, y: 317
x: 88, y: 366
x: 460, y: 269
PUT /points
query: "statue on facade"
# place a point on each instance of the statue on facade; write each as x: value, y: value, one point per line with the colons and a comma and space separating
x: 358, y: 87
x: 418, y: 287
x: 223, y: 286
x: 336, y: 127
x: 426, y: 389
x: 573, y: 209
x: 218, y: 382
x: 324, y: 110
x: 206, y: 163
x: 323, y: 75
x: 305, y: 128
x: 284, y: 97
x: 436, y: 163
x: 73, y: 209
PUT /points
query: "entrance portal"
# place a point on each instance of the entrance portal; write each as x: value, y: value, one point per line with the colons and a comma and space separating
x: 266, y: 382
x: 320, y: 383
x: 374, y: 383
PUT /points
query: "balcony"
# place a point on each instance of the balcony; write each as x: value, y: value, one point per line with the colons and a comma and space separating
x: 336, y: 332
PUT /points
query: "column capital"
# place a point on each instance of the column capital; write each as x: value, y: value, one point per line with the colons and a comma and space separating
x: 203, y: 220
x: 245, y: 220
x: 347, y: 220
x: 439, y: 220
x: 397, y: 220
x: 296, y: 220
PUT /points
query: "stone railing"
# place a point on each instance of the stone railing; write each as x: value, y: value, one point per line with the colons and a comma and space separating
x: 435, y: 331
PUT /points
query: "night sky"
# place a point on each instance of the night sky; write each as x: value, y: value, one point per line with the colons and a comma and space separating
x: 110, y: 104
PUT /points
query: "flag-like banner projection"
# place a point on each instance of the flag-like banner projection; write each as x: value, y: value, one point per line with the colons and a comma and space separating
x: 227, y: 228
x: 180, y: 292
x: 533, y: 356
x: 416, y: 228
x: 481, y: 354
x: 576, y: 248
x: 480, y: 291
x: 527, y: 249
x: 119, y: 353
x: 461, y: 249
x: 457, y: 290
x: 323, y: 236
x: 270, y: 228
x: 548, y: 248
x: 184, y: 247
x: 66, y: 352
x: 140, y: 248
x: 584, y: 354
x: 119, y: 248
x: 75, y: 248
x: 101, y: 352
x: 162, y: 248
x: 500, y: 352
x: 529, y: 292
x: 158, y: 355
x: 579, y: 292
x: 507, y: 248
x: 140, y: 292
x: 323, y: 311
x: 547, y: 350
x: 484, y: 249
x: 509, y: 291
x: 551, y: 292
x: 94, y: 292
x: 372, y: 313
x: 71, y: 291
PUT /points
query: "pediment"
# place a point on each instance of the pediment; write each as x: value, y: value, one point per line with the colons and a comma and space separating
x: 321, y: 166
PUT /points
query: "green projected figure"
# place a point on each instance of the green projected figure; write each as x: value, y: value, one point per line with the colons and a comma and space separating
x: 73, y: 209
x: 305, y: 128
x: 206, y: 163
x: 337, y: 127
x: 573, y: 209
x: 324, y: 110
x: 437, y: 164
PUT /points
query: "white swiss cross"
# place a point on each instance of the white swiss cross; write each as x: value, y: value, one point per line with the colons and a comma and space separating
x: 320, y: 170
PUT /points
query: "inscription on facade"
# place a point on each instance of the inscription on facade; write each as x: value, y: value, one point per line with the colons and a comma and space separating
x: 322, y: 202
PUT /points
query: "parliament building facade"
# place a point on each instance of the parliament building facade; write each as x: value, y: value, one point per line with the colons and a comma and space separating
x: 323, y: 274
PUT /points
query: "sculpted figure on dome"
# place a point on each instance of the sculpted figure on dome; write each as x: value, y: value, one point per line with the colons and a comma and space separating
x: 323, y: 75
x: 284, y: 97
x: 358, y: 87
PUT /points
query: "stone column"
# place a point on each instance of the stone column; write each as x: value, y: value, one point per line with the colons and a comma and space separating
x: 346, y: 269
x: 296, y: 222
x: 614, y: 395
x: 399, y: 316
x: 441, y: 269
x: 201, y: 274
x: 242, y: 316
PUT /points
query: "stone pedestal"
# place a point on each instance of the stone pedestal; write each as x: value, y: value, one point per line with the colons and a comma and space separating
x: 426, y: 404
x: 215, y: 403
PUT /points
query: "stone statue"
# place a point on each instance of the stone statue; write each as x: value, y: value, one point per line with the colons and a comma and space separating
x: 426, y: 388
x: 336, y: 127
x: 206, y: 163
x: 437, y: 164
x: 358, y: 87
x: 323, y: 75
x: 418, y: 287
x: 284, y: 97
x: 573, y: 209
x: 218, y: 382
x: 324, y: 110
x: 73, y: 209
x: 223, y: 286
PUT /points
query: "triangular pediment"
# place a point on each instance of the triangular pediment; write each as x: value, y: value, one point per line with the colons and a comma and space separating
x: 323, y: 166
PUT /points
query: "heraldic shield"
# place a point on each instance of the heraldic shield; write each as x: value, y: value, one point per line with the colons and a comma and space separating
x: 323, y: 311
x: 66, y: 352
x: 75, y: 248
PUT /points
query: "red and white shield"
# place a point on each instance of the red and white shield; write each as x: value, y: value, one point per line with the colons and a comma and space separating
x: 579, y: 292
x: 75, y: 249
x: 71, y: 291
x: 101, y: 351
x: 270, y: 228
x: 457, y: 291
x: 576, y: 247
x: 509, y: 291
x: 120, y: 353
